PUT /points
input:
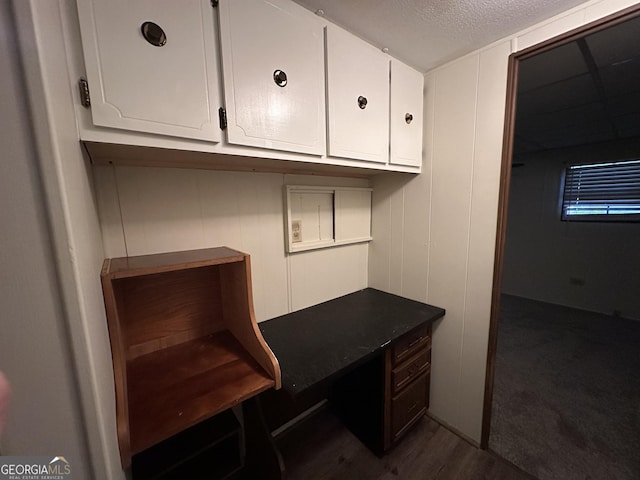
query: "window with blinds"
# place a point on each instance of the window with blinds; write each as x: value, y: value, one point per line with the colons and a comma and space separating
x: 602, y: 192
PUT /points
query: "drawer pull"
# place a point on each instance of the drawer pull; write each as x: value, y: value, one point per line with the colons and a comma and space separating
x: 412, y: 371
x: 403, y: 382
x: 416, y: 341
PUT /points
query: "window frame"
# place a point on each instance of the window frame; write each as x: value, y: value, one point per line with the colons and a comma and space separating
x: 565, y: 199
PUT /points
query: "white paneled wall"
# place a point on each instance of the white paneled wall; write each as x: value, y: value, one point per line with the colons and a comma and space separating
x: 320, y: 275
x: 153, y: 210
x: 434, y: 235
x: 442, y: 252
x: 485, y: 181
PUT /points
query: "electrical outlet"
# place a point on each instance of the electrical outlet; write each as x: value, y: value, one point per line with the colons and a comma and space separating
x: 296, y: 231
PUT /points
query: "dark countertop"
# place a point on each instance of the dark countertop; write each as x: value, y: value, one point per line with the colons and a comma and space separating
x: 328, y: 339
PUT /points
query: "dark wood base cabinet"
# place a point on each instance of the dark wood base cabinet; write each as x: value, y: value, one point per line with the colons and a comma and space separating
x: 381, y: 400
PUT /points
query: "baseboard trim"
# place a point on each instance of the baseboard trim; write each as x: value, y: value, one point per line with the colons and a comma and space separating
x: 611, y: 313
x: 473, y: 443
x: 455, y: 431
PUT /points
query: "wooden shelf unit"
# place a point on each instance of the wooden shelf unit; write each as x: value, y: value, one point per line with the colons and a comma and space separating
x: 185, y: 343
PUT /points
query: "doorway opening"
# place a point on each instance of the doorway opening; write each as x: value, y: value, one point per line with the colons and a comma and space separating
x: 571, y: 101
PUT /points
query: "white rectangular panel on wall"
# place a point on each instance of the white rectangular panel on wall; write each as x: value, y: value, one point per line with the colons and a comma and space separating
x: 319, y: 217
x: 273, y: 69
x: 167, y: 84
x: 357, y: 97
x: 311, y: 217
x: 406, y: 115
x: 353, y: 215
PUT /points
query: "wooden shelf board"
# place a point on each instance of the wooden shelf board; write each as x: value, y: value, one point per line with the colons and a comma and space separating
x: 175, y: 388
x: 168, y: 262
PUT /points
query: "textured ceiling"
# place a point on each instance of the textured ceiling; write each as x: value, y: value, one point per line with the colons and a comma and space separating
x: 428, y: 33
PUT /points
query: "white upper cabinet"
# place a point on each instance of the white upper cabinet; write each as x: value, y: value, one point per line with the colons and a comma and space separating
x: 406, y: 115
x: 151, y: 66
x: 273, y: 70
x: 358, y: 98
x: 291, y: 85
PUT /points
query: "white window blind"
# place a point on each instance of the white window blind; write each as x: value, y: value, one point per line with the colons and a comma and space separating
x: 602, y: 191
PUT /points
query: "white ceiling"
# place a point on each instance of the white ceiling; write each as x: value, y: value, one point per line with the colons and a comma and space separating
x: 428, y: 33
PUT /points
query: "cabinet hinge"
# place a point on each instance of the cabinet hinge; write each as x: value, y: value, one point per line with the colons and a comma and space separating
x: 222, y: 115
x: 214, y: 3
x: 85, y: 98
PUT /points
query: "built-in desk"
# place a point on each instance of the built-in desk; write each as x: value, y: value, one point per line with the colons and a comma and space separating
x: 370, y: 350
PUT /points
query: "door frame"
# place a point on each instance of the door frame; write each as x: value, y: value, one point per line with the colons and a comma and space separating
x: 505, y: 181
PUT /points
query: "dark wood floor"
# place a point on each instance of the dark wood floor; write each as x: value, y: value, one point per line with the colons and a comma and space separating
x: 321, y: 448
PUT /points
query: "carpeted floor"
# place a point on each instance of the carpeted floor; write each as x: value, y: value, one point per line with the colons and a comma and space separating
x: 566, y: 399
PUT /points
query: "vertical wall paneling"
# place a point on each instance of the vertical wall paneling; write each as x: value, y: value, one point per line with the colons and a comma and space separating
x: 380, y: 246
x: 320, y: 275
x: 606, y: 7
x: 415, y: 241
x: 558, y: 25
x: 160, y: 210
x: 387, y: 218
x: 110, y: 215
x: 484, y: 198
x: 454, y: 131
x: 254, y: 201
x: 173, y: 209
x: 447, y: 247
x: 396, y: 204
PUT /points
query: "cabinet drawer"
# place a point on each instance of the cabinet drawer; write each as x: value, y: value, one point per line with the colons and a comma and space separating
x: 410, y: 343
x: 404, y: 374
x: 410, y: 405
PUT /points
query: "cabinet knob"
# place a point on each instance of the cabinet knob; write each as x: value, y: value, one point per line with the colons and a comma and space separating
x: 280, y: 78
x: 362, y: 102
x: 153, y: 34
x: 408, y: 118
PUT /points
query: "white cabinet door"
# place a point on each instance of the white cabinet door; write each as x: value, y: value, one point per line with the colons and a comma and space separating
x: 135, y: 83
x: 406, y: 115
x: 358, y: 98
x: 273, y: 69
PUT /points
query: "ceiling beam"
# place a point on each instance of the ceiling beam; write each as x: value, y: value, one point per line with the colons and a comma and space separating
x: 597, y: 80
